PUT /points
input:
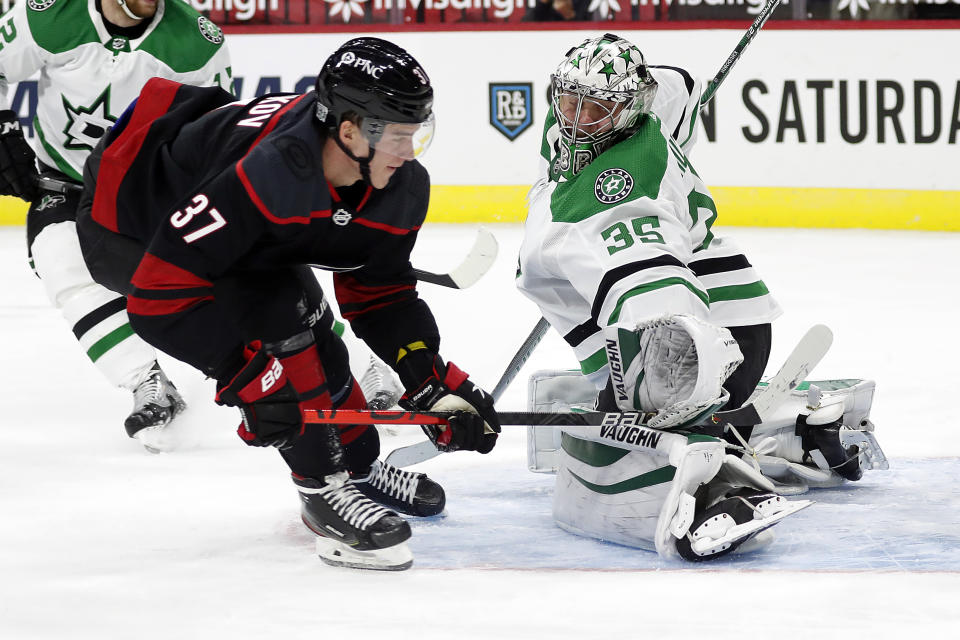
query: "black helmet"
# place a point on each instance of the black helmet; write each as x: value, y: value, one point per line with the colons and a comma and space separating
x: 389, y: 91
x: 376, y: 79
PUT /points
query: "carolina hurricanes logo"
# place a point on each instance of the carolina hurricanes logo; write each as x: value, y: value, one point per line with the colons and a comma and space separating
x: 342, y: 217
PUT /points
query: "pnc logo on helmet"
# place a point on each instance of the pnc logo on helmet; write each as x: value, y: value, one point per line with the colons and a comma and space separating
x: 351, y: 59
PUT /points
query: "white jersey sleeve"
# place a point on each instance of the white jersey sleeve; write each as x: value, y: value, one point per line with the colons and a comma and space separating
x: 20, y: 57
x: 677, y: 104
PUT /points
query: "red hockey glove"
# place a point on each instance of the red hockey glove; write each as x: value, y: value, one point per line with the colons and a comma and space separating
x: 266, y: 399
x: 474, y: 424
x: 18, y: 171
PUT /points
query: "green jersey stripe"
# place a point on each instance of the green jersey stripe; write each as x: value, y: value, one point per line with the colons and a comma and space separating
x: 653, y: 286
x: 594, y: 363
x: 738, y: 291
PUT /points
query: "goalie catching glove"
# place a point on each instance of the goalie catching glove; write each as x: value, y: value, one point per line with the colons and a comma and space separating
x: 18, y: 171
x: 673, y: 366
x: 266, y: 399
x: 473, y: 426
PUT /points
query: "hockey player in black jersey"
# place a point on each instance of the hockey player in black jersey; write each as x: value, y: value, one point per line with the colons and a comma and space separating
x: 207, y: 214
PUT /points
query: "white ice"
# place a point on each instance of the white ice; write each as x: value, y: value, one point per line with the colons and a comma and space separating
x: 99, y: 539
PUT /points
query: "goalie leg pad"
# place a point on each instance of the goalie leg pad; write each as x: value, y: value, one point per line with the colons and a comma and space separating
x: 821, y: 437
x: 553, y: 391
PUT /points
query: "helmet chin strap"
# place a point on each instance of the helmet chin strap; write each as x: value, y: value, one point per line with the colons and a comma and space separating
x: 126, y: 10
x: 364, y: 162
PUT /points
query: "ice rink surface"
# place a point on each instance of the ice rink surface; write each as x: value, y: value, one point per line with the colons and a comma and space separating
x: 99, y: 539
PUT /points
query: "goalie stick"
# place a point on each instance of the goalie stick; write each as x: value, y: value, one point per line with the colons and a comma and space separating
x: 731, y: 60
x: 473, y: 267
x: 801, y: 361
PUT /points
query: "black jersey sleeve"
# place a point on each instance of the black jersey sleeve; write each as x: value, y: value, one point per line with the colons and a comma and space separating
x: 382, y: 304
x: 380, y: 299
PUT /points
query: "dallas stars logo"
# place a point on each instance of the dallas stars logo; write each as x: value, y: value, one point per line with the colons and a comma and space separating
x: 613, y: 185
x: 86, y: 125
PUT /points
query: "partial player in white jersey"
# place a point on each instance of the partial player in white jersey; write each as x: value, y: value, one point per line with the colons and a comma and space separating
x: 664, y: 317
x: 93, y: 58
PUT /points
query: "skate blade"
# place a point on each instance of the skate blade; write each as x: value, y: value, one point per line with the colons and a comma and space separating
x: 337, y: 554
x: 156, y: 439
x: 713, y: 539
x: 871, y: 455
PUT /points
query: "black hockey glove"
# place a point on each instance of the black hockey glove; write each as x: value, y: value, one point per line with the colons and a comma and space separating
x: 18, y: 167
x: 267, y: 401
x: 474, y: 424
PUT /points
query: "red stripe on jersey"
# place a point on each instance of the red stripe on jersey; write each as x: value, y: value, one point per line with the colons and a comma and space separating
x: 155, y: 99
x: 273, y: 122
x: 143, y: 307
x: 352, y: 315
x: 349, y: 291
x: 333, y: 192
x: 154, y: 273
x: 397, y: 231
x: 366, y: 197
x: 245, y: 181
x: 248, y: 186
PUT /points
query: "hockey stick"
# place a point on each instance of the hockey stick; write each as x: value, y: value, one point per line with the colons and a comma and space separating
x: 60, y: 186
x: 520, y: 358
x: 478, y: 261
x: 424, y: 450
x: 731, y: 60
x: 798, y: 365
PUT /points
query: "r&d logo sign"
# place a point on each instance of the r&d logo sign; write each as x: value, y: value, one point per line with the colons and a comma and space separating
x: 511, y: 107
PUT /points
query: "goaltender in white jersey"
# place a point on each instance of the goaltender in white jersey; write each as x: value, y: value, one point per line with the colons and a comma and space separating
x: 93, y: 58
x: 664, y: 317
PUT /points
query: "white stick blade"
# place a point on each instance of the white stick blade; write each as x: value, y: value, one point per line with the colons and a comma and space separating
x: 808, y: 352
x: 478, y: 261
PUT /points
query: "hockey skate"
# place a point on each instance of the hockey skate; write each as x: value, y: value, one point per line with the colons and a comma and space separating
x: 156, y: 402
x: 352, y: 531
x: 410, y: 493
x: 381, y: 389
x: 736, y: 523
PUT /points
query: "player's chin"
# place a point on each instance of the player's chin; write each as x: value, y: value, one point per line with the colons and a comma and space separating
x: 383, y: 176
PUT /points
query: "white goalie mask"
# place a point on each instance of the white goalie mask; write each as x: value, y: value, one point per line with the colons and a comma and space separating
x: 600, y: 93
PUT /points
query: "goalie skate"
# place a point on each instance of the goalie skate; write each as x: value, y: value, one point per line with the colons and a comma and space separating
x: 156, y: 402
x: 731, y: 524
x: 869, y: 451
x: 354, y: 531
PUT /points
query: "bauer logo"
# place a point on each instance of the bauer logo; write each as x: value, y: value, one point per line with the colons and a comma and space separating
x: 613, y: 185
x: 511, y: 105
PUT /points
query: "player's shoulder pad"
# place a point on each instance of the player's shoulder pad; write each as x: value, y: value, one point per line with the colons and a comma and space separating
x: 184, y: 39
x: 60, y: 25
x: 284, y: 173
